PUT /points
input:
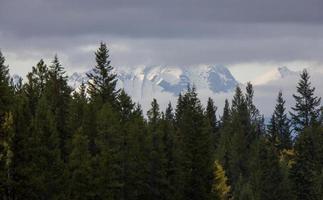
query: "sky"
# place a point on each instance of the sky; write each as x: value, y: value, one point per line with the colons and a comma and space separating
x: 248, y: 36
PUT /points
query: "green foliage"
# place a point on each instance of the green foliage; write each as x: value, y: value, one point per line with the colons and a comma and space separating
x: 220, y: 188
x: 279, y: 126
x: 307, y: 167
x: 197, y: 152
x: 102, y: 83
x: 307, y: 107
x: 79, y: 168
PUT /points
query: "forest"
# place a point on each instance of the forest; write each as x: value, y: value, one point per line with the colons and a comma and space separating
x: 95, y: 143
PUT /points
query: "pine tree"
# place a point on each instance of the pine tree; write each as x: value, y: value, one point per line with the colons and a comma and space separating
x: 211, y: 116
x: 57, y: 93
x: 5, y: 104
x: 253, y: 111
x: 171, y: 149
x: 77, y: 109
x: 35, y: 86
x: 102, y: 83
x: 5, y: 89
x: 255, y: 118
x: 226, y: 113
x: 242, y: 137
x: 157, y: 178
x: 126, y: 106
x: 306, y: 109
x: 307, y: 164
x: 279, y: 127
x: 196, y: 147
x: 225, y: 134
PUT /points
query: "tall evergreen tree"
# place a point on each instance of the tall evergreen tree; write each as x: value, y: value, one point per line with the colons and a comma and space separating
x: 5, y: 89
x: 5, y: 107
x: 102, y: 83
x: 157, y: 178
x: 279, y: 126
x: 306, y: 110
x: 197, y: 152
x: 57, y: 93
x: 253, y: 111
x: 171, y: 149
x: 211, y: 116
x: 35, y: 86
x: 307, y: 164
x: 226, y: 113
x: 225, y: 134
x: 242, y: 138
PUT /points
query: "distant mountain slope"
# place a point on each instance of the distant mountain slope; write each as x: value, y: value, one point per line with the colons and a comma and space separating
x: 140, y: 82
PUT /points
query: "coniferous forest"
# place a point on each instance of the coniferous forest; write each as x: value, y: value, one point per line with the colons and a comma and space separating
x: 97, y: 144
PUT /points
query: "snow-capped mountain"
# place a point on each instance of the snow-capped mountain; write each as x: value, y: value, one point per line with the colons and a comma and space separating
x: 274, y: 75
x: 146, y: 80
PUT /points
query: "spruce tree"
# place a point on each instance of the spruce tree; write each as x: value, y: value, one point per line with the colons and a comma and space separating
x: 211, y: 116
x: 5, y: 89
x: 5, y: 104
x: 171, y: 149
x: 157, y: 178
x: 102, y: 83
x: 35, y: 86
x: 279, y: 126
x: 226, y: 113
x: 58, y: 95
x: 307, y: 165
x: 242, y: 138
x: 196, y: 146
x: 253, y: 111
x: 225, y: 134
x: 125, y: 106
x: 77, y: 108
x: 306, y: 110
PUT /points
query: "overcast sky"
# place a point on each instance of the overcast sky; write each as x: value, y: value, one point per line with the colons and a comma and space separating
x: 249, y: 36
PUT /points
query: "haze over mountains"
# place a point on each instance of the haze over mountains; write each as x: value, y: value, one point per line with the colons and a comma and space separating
x: 143, y: 83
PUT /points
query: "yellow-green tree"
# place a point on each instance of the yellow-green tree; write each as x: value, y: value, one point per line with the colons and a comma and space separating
x: 220, y: 188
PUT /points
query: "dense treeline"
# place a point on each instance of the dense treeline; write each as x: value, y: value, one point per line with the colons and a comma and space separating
x: 95, y: 143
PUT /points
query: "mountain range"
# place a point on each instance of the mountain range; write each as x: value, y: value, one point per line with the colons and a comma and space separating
x: 143, y: 83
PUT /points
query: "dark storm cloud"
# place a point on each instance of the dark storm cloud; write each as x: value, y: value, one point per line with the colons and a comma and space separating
x: 151, y: 18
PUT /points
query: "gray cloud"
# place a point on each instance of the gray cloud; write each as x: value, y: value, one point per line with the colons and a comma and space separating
x: 146, y: 18
x: 174, y: 32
